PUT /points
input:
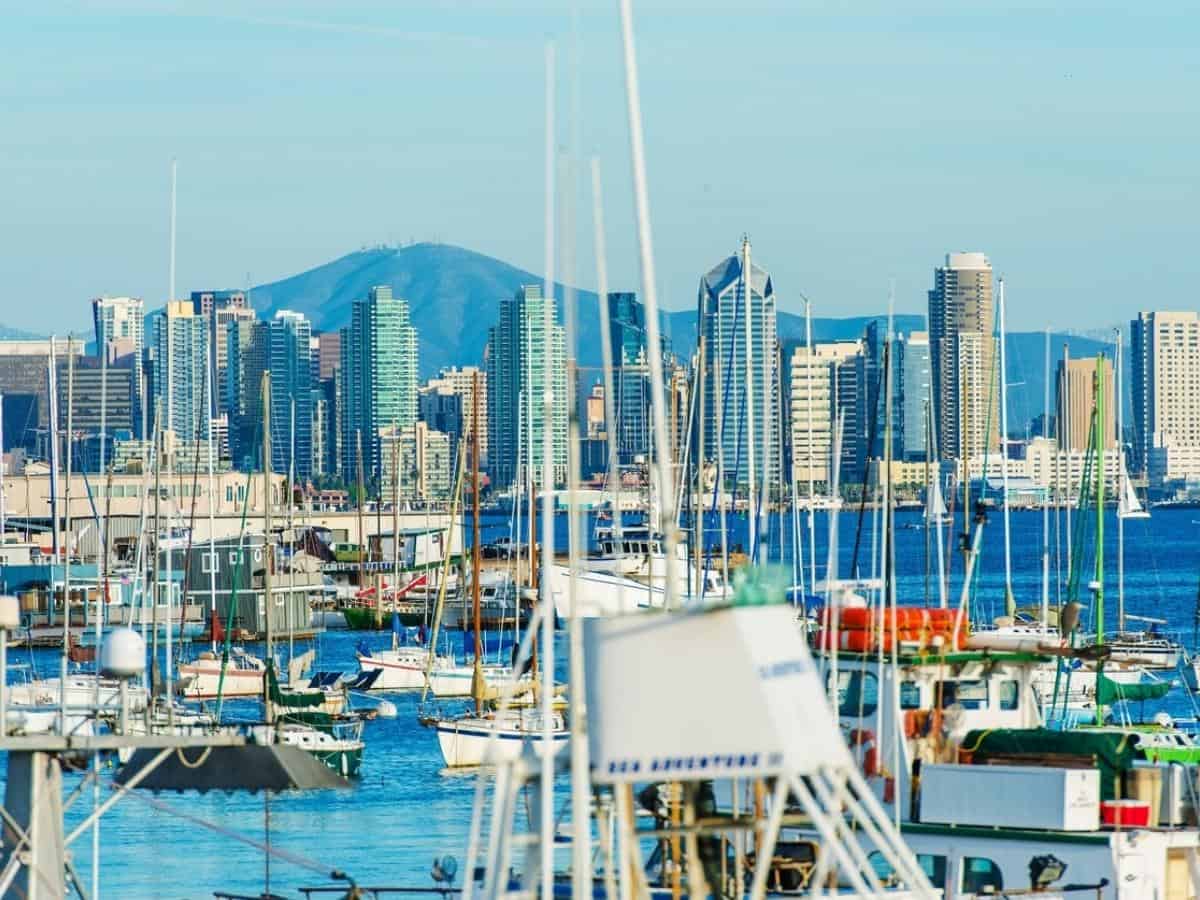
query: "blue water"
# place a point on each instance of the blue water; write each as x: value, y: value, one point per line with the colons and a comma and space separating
x: 405, y: 810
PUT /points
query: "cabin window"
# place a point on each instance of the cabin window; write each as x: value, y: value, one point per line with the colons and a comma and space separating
x: 1010, y: 695
x: 858, y: 693
x: 979, y: 874
x: 934, y: 867
x: 910, y: 695
x: 967, y: 694
x: 209, y: 562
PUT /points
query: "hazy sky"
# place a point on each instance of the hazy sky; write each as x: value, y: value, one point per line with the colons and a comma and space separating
x: 855, y: 143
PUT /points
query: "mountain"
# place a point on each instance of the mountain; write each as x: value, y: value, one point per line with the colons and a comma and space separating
x: 454, y: 295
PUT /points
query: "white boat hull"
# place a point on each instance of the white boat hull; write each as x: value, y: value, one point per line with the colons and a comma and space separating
x: 476, y: 742
x: 401, y: 670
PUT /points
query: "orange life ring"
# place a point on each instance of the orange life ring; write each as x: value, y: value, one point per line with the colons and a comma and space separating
x: 862, y: 741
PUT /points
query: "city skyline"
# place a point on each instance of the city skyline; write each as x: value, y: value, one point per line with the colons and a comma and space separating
x: 1049, y: 172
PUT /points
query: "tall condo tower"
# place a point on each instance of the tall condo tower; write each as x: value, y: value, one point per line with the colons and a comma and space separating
x: 520, y: 369
x: 963, y: 355
x: 378, y: 388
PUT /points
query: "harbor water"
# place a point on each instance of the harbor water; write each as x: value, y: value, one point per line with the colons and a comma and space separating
x: 405, y: 810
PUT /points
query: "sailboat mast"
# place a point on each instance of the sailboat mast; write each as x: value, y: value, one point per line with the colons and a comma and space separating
x: 546, y: 798
x: 698, y: 497
x: 1121, y: 488
x: 212, y: 498
x: 1010, y: 605
x: 362, y: 529
x: 751, y: 510
x: 1067, y: 448
x: 812, y: 493
x: 606, y: 356
x: 268, y: 544
x: 1046, y: 504
x: 67, y: 526
x: 476, y: 550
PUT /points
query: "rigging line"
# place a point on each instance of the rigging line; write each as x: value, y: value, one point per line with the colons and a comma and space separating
x: 286, y: 855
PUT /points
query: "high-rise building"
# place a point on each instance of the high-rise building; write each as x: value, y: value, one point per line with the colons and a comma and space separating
x: 416, y: 463
x: 962, y: 353
x: 460, y: 382
x: 120, y: 332
x: 289, y: 359
x: 101, y: 400
x: 813, y: 403
x: 631, y: 376
x: 1075, y: 393
x: 246, y: 353
x: 180, y: 339
x: 221, y: 319
x: 25, y: 386
x: 329, y: 353
x: 916, y: 394
x: 1165, y: 364
x: 378, y: 371
x: 205, y: 303
x: 521, y: 368
x: 745, y: 404
x: 442, y: 410
x: 218, y: 308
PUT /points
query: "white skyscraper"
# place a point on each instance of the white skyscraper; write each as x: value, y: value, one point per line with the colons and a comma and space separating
x: 1165, y: 363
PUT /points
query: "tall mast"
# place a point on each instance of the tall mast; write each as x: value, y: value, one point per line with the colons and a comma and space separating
x: 747, y: 294
x: 1068, y: 446
x: 1121, y: 488
x: 1010, y: 605
x: 67, y: 527
x: 396, y: 519
x: 1046, y: 505
x: 698, y: 498
x: 649, y: 291
x: 606, y: 356
x: 477, y: 675
x: 212, y: 498
x: 812, y: 492
x: 362, y: 530
x: 52, y: 443
x: 546, y: 798
x: 170, y: 367
x: 268, y: 543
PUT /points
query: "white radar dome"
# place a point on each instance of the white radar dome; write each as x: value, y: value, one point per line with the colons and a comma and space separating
x: 122, y: 654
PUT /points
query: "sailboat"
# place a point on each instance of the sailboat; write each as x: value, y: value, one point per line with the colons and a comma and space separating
x: 402, y: 667
x: 488, y: 734
x: 1128, y: 505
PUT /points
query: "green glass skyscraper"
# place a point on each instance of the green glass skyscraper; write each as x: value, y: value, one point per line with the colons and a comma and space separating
x: 378, y: 378
x: 520, y: 369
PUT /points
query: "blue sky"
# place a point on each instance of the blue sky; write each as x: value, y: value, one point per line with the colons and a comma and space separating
x: 855, y: 143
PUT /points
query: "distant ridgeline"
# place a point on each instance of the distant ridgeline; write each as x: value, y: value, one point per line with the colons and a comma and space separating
x: 454, y: 293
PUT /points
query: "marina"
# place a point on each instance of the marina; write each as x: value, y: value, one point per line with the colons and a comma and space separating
x: 415, y: 573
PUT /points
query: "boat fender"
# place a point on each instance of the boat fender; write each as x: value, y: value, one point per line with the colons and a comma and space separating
x: 862, y: 741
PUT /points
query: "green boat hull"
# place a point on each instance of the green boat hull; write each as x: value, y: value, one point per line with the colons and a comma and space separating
x: 363, y: 619
x: 344, y: 762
